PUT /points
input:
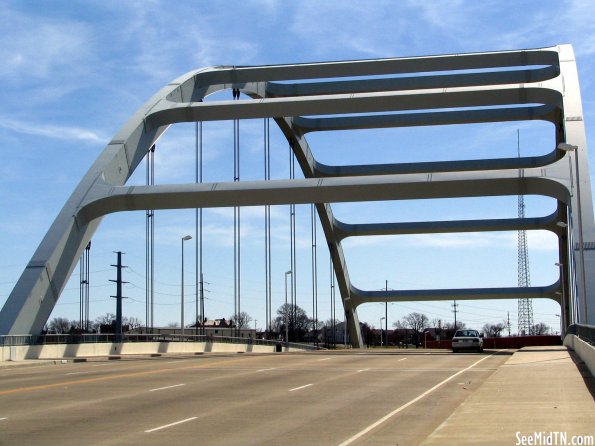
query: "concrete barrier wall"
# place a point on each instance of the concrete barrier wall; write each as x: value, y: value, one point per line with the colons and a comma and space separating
x: 65, y: 351
x: 584, y: 350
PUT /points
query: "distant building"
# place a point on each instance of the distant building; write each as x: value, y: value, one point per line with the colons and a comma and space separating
x: 212, y: 327
x: 339, y: 336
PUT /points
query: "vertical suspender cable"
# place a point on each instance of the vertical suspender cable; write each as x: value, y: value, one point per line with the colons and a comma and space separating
x: 196, y: 241
x: 333, y: 314
x: 200, y: 227
x: 147, y: 254
x: 152, y: 247
x: 236, y: 221
x: 199, y: 313
x: 149, y: 248
x: 87, y: 283
x: 81, y: 290
x: 292, y: 245
x: 235, y: 228
x: 267, y: 228
x: 266, y: 237
x: 314, y: 273
x: 84, y: 289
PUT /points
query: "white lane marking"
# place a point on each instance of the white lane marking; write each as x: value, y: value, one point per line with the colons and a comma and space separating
x: 406, y: 405
x: 1, y: 419
x: 168, y: 387
x: 77, y: 373
x: 265, y: 370
x: 402, y: 359
x: 362, y: 370
x: 178, y: 361
x: 170, y: 425
x: 324, y: 359
x: 301, y: 387
x: 101, y: 365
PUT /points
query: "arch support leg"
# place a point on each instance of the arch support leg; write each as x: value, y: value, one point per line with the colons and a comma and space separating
x: 353, y: 327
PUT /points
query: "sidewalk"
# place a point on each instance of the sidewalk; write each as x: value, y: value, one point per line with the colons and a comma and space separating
x: 30, y: 363
x: 538, y: 390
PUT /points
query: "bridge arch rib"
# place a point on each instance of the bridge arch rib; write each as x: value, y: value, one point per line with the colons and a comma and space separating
x: 482, y: 87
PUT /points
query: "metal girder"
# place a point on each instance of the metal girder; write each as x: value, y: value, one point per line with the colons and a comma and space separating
x: 549, y: 223
x: 417, y: 91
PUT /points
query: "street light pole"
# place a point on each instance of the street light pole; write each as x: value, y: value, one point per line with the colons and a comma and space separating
x: 286, y: 309
x: 572, y: 148
x: 563, y: 305
x: 187, y: 237
x: 381, y: 319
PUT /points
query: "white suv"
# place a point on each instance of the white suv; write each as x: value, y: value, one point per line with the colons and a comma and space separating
x: 467, y: 340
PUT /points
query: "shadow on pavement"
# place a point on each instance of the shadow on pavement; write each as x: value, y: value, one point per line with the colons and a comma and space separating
x: 585, y: 372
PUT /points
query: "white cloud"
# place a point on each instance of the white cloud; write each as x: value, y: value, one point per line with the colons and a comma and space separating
x: 174, y: 40
x: 52, y: 131
x: 348, y: 27
x: 49, y: 49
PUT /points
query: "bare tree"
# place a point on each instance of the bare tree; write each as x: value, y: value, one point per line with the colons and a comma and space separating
x: 105, y: 319
x: 60, y: 325
x: 329, y: 332
x: 541, y: 329
x: 399, y: 325
x: 417, y: 322
x: 449, y: 329
x: 242, y: 320
x: 297, y: 319
x: 493, y: 330
x: 132, y: 322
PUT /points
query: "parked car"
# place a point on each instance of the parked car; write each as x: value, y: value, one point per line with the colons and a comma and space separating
x: 467, y: 340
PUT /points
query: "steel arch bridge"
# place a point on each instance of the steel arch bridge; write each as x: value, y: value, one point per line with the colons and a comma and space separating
x: 537, y: 84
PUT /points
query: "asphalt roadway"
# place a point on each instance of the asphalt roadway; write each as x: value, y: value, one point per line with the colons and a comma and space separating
x: 319, y: 398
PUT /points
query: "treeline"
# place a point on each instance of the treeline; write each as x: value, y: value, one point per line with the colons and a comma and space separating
x: 62, y: 325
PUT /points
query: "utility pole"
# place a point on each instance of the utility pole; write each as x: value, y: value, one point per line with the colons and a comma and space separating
x: 386, y: 315
x: 118, y: 296
x: 454, y: 306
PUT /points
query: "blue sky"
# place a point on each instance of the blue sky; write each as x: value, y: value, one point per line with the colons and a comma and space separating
x: 74, y: 72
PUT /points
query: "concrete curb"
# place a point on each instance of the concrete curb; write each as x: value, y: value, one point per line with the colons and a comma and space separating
x: 584, y: 350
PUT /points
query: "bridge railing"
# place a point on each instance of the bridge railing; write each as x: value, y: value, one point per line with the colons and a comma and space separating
x: 584, y: 332
x: 14, y: 340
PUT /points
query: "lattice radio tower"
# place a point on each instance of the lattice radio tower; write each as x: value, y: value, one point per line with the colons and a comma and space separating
x: 525, y: 305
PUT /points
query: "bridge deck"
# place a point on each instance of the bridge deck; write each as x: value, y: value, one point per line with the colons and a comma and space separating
x: 404, y: 397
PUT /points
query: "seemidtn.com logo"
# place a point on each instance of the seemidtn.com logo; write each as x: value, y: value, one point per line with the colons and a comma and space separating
x: 553, y: 439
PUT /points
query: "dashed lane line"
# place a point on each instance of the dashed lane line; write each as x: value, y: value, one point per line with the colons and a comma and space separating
x: 301, y: 387
x: 170, y: 425
x: 166, y: 387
